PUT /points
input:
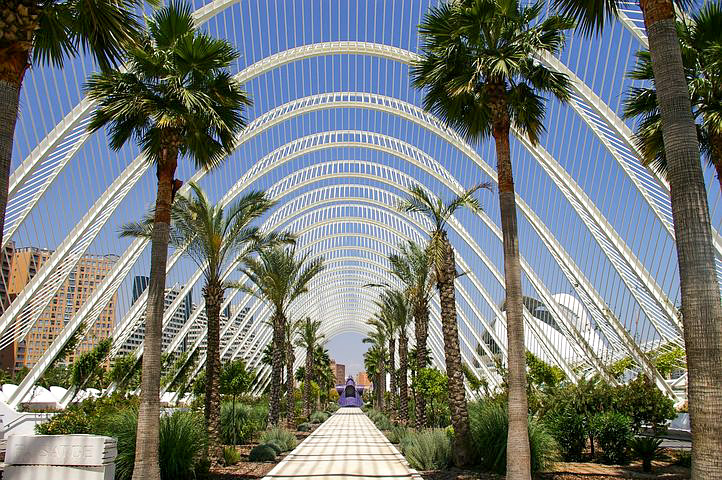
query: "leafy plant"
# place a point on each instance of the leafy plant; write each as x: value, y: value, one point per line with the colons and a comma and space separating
x: 432, y: 385
x: 86, y: 417
x: 397, y: 433
x: 282, y: 437
x: 304, y: 427
x: 613, y: 432
x: 647, y: 449
x: 181, y: 444
x: 684, y: 458
x: 644, y: 403
x: 241, y: 422
x: 318, y: 417
x: 489, y: 429
x: 569, y: 428
x: 427, y: 450
x: 262, y: 453
x: 231, y: 456
x: 275, y: 446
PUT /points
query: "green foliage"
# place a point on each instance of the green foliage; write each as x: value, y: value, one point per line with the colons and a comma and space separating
x: 569, y: 427
x: 646, y: 449
x: 380, y: 419
x: 397, y: 433
x: 181, y: 444
x: 231, y: 456
x: 644, y: 403
x: 541, y: 374
x: 275, y: 446
x: 613, y: 432
x: 318, y: 417
x: 58, y: 376
x: 618, y: 368
x: 240, y: 426
x: 477, y: 384
x: 427, y: 450
x: 671, y: 359
x: 262, y: 453
x: 489, y: 427
x: 282, y: 437
x: 88, y: 416
x: 236, y: 379
x: 89, y: 365
x: 304, y: 427
x: 432, y: 384
x: 125, y: 372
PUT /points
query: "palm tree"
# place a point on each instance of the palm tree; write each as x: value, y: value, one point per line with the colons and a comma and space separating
x: 412, y: 267
x: 177, y: 98
x: 309, y: 338
x: 701, y: 41
x: 374, y: 360
x: 50, y: 31
x: 480, y: 77
x: 212, y: 237
x: 279, y: 279
x: 290, y: 333
x: 443, y: 263
x: 384, y: 321
x: 699, y: 289
x: 399, y: 307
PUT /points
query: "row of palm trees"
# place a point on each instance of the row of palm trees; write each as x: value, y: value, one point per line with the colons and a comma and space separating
x: 421, y: 269
x: 177, y: 98
x: 479, y: 74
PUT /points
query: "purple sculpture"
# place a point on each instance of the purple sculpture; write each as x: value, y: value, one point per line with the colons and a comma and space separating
x: 350, y: 394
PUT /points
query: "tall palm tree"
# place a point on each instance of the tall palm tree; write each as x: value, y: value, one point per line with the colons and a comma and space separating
x: 399, y: 307
x: 178, y: 99
x: 443, y: 262
x: 48, y: 32
x: 480, y: 76
x: 212, y: 237
x: 701, y: 41
x: 309, y: 338
x: 290, y: 333
x: 412, y: 267
x: 699, y: 289
x: 385, y: 321
x: 374, y: 360
x: 278, y: 278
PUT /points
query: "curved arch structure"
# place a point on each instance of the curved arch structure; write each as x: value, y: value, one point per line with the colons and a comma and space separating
x: 336, y: 137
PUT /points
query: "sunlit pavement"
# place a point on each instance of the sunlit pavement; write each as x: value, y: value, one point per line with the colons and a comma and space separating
x: 347, y: 445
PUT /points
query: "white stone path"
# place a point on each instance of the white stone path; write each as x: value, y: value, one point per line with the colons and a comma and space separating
x: 346, y: 446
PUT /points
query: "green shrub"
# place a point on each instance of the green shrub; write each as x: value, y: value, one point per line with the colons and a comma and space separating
x: 318, y: 417
x: 88, y: 416
x: 381, y: 421
x: 397, y: 433
x: 275, y: 446
x: 613, y: 432
x: 231, y: 456
x: 646, y: 449
x: 304, y: 427
x: 644, y: 403
x: 262, y: 453
x: 182, y: 443
x: 281, y: 437
x: 489, y: 428
x: 569, y: 429
x: 249, y: 420
x: 427, y: 450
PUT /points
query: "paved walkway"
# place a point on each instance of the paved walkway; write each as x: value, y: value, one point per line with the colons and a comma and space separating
x: 347, y: 445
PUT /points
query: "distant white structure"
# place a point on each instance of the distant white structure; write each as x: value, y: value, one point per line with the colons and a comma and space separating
x: 575, y: 314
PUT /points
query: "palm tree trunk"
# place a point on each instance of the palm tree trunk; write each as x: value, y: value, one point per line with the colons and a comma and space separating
x: 146, y: 449
x: 307, y: 383
x: 392, y: 376
x: 12, y: 70
x: 277, y: 368
x: 457, y: 395
x: 290, y: 402
x: 403, y: 386
x: 699, y: 289
x: 213, y: 295
x: 518, y: 458
x: 421, y: 327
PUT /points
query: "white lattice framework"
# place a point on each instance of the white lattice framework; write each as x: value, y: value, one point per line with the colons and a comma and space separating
x: 330, y: 200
